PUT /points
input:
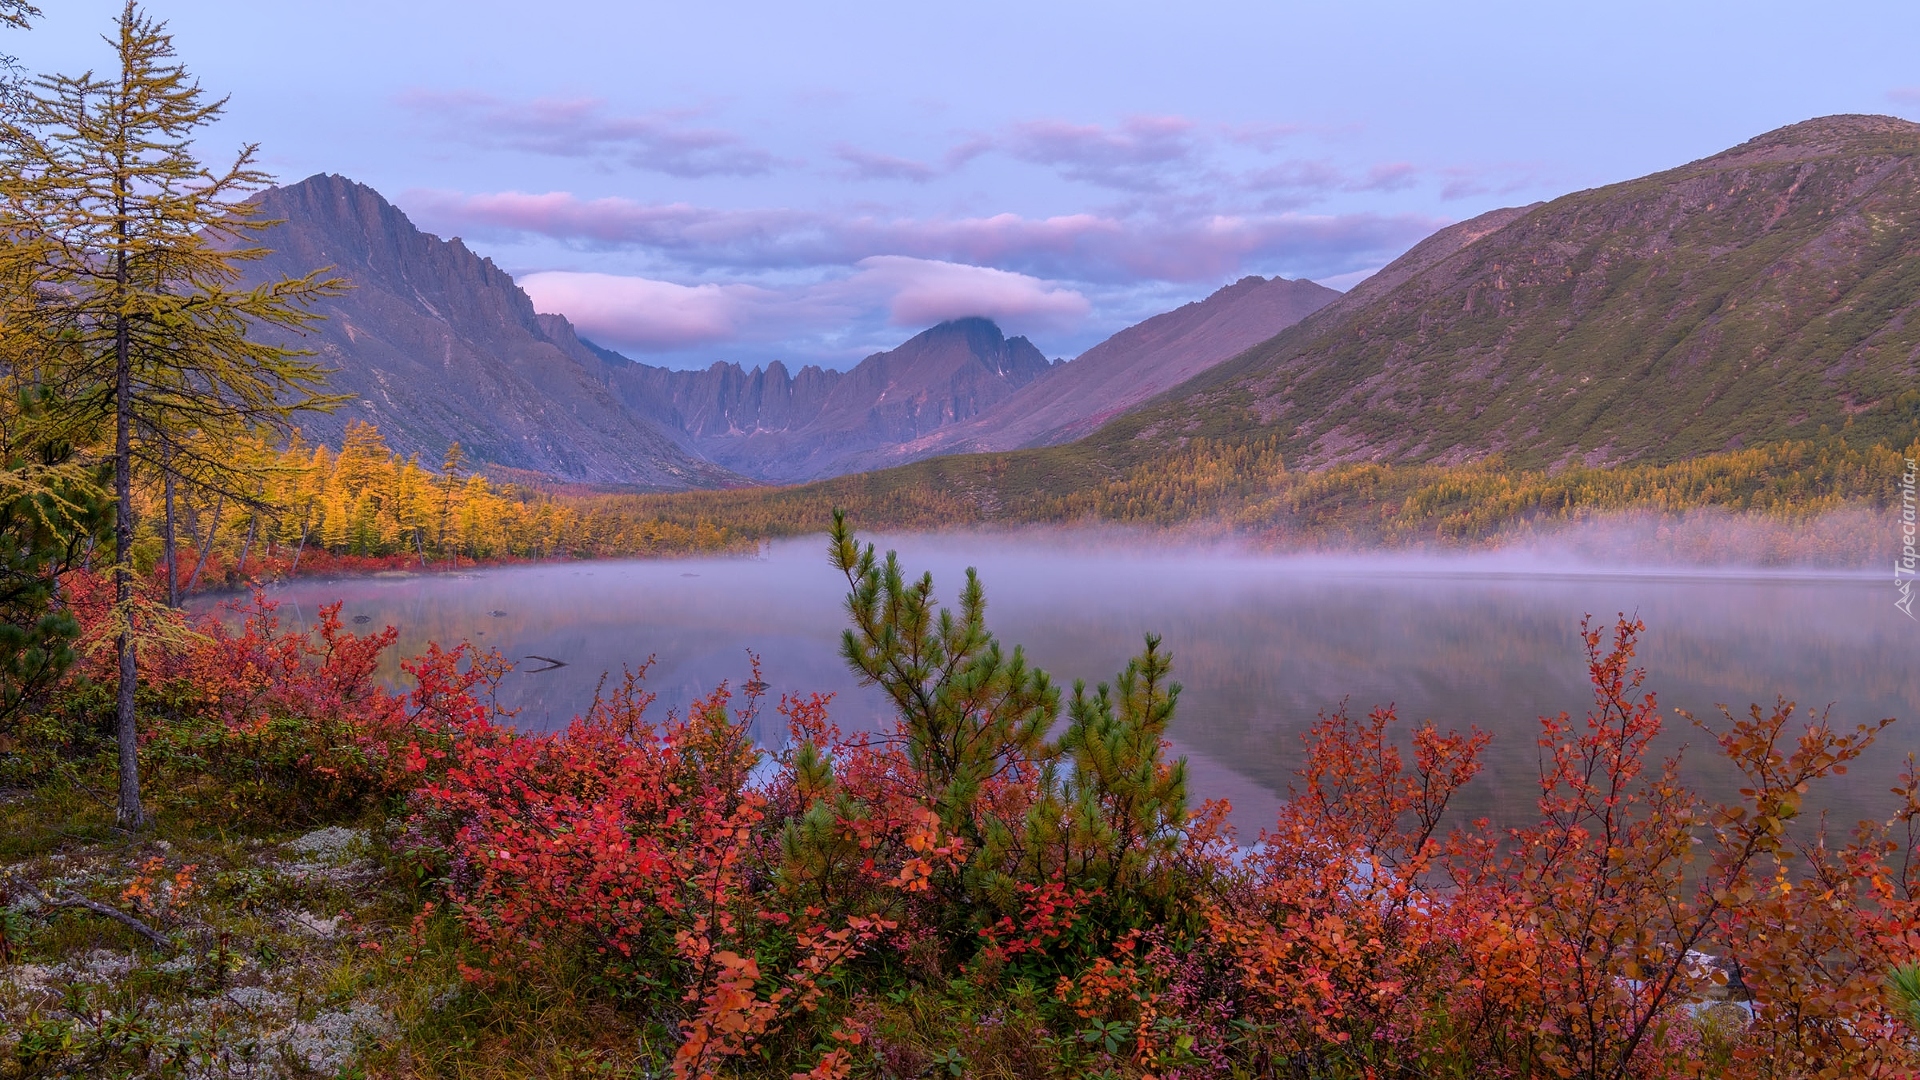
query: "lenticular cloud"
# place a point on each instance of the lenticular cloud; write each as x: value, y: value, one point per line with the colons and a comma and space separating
x: 657, y: 316
x: 920, y: 292
x: 641, y: 312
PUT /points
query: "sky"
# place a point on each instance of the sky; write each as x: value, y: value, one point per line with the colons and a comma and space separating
x: 752, y: 181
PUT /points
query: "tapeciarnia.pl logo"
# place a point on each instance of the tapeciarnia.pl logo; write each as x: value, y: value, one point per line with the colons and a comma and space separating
x: 1905, y: 564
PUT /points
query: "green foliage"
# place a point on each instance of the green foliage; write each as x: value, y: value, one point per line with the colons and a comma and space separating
x: 50, y: 514
x: 1115, y: 818
x: 1904, y: 981
x: 972, y: 716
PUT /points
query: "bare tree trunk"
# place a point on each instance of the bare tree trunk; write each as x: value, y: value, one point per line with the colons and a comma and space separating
x: 131, y: 814
x: 421, y: 547
x: 172, y: 551
x: 253, y: 523
x: 213, y: 530
x: 306, y: 522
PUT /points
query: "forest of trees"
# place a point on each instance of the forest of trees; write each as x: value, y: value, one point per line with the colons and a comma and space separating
x: 366, y: 503
x: 1244, y: 486
x: 363, y: 506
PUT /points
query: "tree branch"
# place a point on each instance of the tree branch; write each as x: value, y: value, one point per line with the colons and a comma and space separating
x: 71, y: 901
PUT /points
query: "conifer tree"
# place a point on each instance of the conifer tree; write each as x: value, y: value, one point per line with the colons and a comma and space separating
x: 1100, y: 809
x: 450, y: 475
x: 52, y: 505
x: 52, y: 508
x: 1110, y: 821
x: 143, y: 246
x: 16, y: 15
x: 971, y: 713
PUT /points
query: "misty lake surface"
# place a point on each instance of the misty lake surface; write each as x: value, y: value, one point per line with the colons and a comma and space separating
x: 1262, y: 644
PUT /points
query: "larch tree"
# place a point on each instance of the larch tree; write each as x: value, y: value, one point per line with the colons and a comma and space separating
x: 140, y: 280
x: 52, y: 505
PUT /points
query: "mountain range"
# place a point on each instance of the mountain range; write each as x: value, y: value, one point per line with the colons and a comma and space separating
x: 435, y: 344
x: 772, y: 426
x: 1768, y: 292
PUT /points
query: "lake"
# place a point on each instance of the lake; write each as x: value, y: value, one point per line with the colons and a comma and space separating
x: 1262, y: 644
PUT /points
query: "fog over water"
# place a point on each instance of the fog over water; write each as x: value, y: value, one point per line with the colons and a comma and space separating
x: 1261, y: 643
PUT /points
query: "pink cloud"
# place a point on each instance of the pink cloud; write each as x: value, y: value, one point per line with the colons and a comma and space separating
x: 641, y: 312
x: 1904, y: 95
x: 648, y: 315
x: 660, y: 141
x: 921, y: 292
x: 1081, y: 247
x: 611, y: 221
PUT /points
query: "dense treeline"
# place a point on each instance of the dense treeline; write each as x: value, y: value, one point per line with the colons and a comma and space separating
x: 364, y: 500
x: 1246, y: 486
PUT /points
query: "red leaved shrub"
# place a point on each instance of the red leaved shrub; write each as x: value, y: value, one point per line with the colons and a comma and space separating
x: 644, y: 845
x: 783, y: 912
x: 293, y: 724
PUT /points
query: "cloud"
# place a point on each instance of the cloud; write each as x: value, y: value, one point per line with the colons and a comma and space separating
x: 921, y: 292
x: 648, y: 315
x: 865, y: 165
x: 1134, y: 155
x: 1265, y: 137
x: 643, y: 313
x: 1318, y: 177
x: 1391, y: 176
x: 1090, y: 247
x: 1904, y: 95
x: 660, y: 141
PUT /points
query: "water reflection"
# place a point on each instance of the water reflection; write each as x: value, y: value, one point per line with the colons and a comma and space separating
x: 1261, y: 644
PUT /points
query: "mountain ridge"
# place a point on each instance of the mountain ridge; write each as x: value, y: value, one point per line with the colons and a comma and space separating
x: 1128, y: 368
x: 784, y: 428
x: 435, y: 344
x: 1755, y: 295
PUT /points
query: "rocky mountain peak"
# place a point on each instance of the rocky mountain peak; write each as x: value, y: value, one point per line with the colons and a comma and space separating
x: 1822, y: 137
x: 436, y: 344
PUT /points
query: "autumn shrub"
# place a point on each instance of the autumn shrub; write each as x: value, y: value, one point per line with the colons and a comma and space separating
x: 1342, y: 944
x: 1012, y: 881
x: 1589, y: 944
x: 1012, y: 884
x: 248, y: 721
x: 643, y: 845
